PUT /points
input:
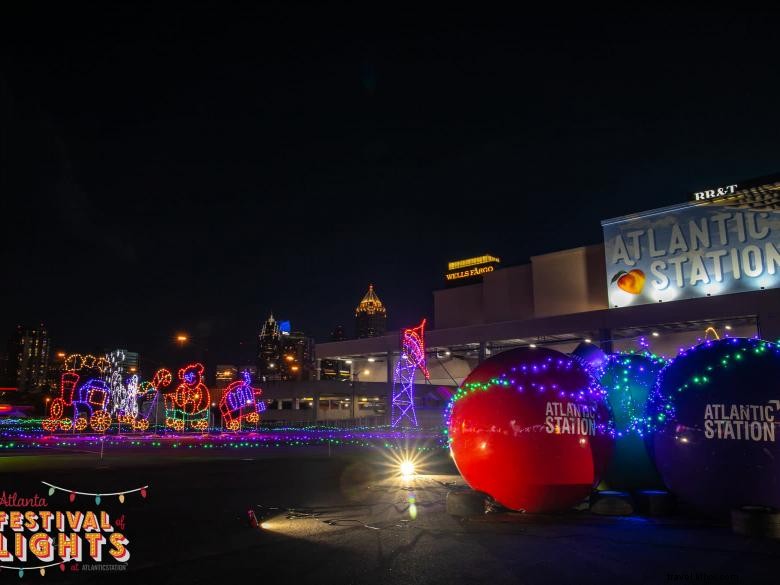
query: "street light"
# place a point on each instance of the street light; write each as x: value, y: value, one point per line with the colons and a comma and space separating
x: 181, y: 338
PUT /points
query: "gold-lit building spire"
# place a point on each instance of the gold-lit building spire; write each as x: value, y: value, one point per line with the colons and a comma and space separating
x: 370, y: 315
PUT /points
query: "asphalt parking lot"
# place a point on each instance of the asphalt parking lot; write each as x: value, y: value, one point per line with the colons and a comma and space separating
x: 346, y: 517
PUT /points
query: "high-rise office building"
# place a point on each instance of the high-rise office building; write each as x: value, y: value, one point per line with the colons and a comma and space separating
x: 298, y: 361
x: 56, y: 369
x: 284, y: 354
x: 370, y: 315
x: 331, y: 369
x: 269, y: 350
x: 226, y: 373
x: 129, y: 361
x: 28, y: 358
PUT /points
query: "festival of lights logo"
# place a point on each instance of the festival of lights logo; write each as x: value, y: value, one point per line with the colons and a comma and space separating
x: 34, y: 537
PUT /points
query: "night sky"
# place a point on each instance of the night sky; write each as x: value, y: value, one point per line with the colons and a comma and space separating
x: 192, y: 170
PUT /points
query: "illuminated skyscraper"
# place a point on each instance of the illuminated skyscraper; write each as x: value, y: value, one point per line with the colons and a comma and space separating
x: 226, y: 373
x: 29, y: 358
x: 269, y: 350
x: 129, y: 361
x: 370, y: 315
x: 284, y: 354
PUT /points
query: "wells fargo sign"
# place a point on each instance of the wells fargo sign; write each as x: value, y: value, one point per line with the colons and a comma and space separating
x: 470, y: 269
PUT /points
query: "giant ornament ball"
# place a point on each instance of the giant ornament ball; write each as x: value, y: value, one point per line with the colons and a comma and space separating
x: 628, y: 379
x: 714, y: 413
x: 531, y: 427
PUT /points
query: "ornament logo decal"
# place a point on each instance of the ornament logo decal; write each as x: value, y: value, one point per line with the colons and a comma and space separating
x: 570, y: 418
x: 741, y: 422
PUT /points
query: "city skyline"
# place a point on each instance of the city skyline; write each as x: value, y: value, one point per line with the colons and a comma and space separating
x: 180, y: 340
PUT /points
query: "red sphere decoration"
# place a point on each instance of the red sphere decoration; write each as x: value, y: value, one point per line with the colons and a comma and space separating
x: 532, y: 428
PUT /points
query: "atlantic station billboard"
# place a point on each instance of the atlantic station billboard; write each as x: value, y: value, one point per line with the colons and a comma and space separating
x: 723, y: 240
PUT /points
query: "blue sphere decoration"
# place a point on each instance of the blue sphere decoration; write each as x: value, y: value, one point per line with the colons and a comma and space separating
x: 715, y: 416
x: 591, y: 355
x: 628, y: 379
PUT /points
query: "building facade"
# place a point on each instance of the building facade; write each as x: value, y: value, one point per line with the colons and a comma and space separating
x: 624, y: 293
x: 28, y: 358
x: 269, y: 350
x: 663, y: 279
x: 128, y: 361
x: 56, y: 369
x: 284, y: 354
x: 298, y: 357
x: 226, y: 373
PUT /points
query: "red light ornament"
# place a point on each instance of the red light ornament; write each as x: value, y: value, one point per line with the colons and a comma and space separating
x: 532, y: 428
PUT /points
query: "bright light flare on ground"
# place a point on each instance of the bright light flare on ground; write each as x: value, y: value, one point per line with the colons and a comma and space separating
x: 405, y: 463
x: 407, y: 468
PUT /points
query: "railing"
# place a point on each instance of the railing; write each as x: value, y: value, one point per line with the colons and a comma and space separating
x: 336, y: 423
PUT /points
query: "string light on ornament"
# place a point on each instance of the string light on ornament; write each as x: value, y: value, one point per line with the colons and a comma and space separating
x: 412, y: 358
x: 734, y: 351
x: 517, y: 407
x: 714, y: 414
x: 628, y: 379
x: 536, y: 376
x: 143, y: 491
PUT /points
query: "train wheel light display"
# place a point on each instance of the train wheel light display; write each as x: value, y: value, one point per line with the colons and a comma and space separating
x: 100, y: 421
x: 141, y: 425
x: 81, y: 423
x: 532, y: 428
x: 714, y: 413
